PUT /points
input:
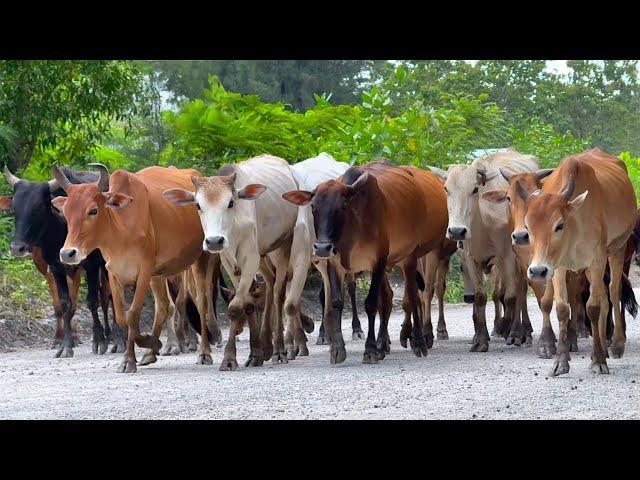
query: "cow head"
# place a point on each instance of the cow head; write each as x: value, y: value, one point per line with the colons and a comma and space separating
x: 521, y: 185
x: 31, y: 206
x: 215, y: 198
x: 462, y: 183
x: 331, y: 204
x: 85, y: 209
x: 550, y: 218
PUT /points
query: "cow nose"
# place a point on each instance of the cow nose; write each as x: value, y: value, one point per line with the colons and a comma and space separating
x: 538, y: 271
x: 457, y: 233
x: 520, y: 237
x: 18, y: 248
x: 68, y: 254
x: 323, y: 249
x: 214, y: 243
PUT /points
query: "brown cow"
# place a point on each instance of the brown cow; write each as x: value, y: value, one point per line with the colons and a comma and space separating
x: 583, y: 215
x: 143, y: 238
x: 375, y: 216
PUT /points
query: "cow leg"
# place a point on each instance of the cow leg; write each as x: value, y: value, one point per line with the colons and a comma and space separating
x: 162, y: 311
x: 357, y: 333
x: 333, y: 315
x: 202, y: 272
x: 417, y: 340
x: 597, y: 308
x: 480, y: 341
x: 74, y: 288
x: 213, y: 274
x: 500, y: 326
x: 441, y: 286
x: 384, y: 308
x: 266, y: 328
x: 616, y: 262
x: 429, y: 272
x: 67, y: 343
x: 561, y: 364
x: 281, y: 261
x: 171, y: 346
x: 57, y: 309
x: 99, y: 343
x: 575, y: 304
x: 371, y: 307
x: 104, y: 299
x: 547, y: 339
x: 295, y: 340
x: 513, y: 279
x: 325, y: 301
x: 406, y: 328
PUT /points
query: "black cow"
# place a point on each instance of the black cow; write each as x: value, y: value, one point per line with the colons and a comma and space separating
x: 39, y: 224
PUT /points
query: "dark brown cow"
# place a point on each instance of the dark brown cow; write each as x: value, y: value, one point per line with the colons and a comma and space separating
x: 144, y: 239
x: 371, y: 218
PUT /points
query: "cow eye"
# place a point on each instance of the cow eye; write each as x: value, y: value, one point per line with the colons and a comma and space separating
x: 93, y: 211
x: 508, y: 199
x: 475, y: 190
x: 231, y: 203
x: 446, y: 191
x: 198, y: 206
x: 559, y: 227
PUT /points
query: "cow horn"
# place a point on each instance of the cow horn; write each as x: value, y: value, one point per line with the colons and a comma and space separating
x: 11, y: 178
x: 484, y: 177
x: 53, y: 185
x: 567, y: 192
x: 506, y: 174
x: 544, y: 172
x: 439, y: 172
x: 103, y: 181
x: 61, y: 178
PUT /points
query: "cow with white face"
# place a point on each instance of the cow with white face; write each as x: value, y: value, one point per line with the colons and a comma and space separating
x: 484, y: 230
x: 244, y: 219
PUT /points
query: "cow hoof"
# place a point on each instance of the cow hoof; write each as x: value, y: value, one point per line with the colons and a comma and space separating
x: 170, y: 349
x: 182, y: 346
x: 267, y: 352
x: 547, y: 351
x: 307, y: 324
x: 118, y: 348
x: 617, y: 350
x: 514, y: 340
x: 205, y: 359
x: 99, y: 346
x: 405, y: 333
x: 370, y: 357
x: 303, y: 351
x: 65, y: 352
x: 418, y: 345
x: 254, y: 360
x: 573, y: 345
x: 338, y: 354
x: 322, y: 340
x: 443, y: 335
x: 480, y: 344
x: 561, y: 366
x: 357, y: 335
x: 291, y: 353
x: 279, y: 356
x: 382, y: 348
x: 528, y: 340
x: 228, y: 365
x: 192, y: 346
x: 127, y: 367
x: 148, y: 358
x: 599, y: 367
x: 428, y: 337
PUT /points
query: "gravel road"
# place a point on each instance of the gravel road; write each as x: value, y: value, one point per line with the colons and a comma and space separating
x: 451, y: 383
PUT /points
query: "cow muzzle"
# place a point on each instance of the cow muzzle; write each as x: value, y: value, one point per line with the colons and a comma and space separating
x: 457, y: 233
x: 70, y: 256
x: 19, y: 249
x: 539, y: 272
x: 214, y: 244
x: 323, y: 249
x: 521, y: 237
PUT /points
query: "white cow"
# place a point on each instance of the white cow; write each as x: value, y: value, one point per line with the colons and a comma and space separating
x: 244, y: 218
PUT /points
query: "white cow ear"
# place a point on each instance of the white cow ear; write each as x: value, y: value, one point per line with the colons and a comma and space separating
x: 578, y: 201
x: 180, y: 196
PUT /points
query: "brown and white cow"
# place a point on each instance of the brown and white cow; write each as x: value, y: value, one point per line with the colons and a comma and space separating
x: 143, y: 238
x: 484, y: 228
x: 373, y: 217
x: 582, y: 217
x: 245, y: 219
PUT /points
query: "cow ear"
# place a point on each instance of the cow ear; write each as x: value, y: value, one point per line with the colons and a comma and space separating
x: 180, y: 196
x: 6, y: 204
x: 299, y: 197
x: 251, y: 191
x: 495, y: 196
x: 577, y: 202
x: 58, y: 202
x: 117, y: 200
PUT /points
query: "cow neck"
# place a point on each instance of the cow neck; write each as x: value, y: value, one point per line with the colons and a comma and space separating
x: 354, y: 231
x: 53, y: 232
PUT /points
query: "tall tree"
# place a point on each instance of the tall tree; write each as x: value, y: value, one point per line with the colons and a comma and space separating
x: 43, y: 103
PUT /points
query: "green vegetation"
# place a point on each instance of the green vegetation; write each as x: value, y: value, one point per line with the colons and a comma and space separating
x: 411, y: 112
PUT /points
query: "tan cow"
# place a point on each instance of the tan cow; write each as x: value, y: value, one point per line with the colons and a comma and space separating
x: 581, y: 218
x: 485, y: 231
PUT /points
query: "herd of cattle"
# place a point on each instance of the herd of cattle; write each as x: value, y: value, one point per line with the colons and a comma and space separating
x: 570, y: 233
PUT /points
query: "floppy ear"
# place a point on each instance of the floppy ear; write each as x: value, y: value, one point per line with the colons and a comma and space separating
x: 251, y: 191
x: 441, y: 173
x: 6, y: 204
x: 495, y: 196
x: 578, y: 201
x: 117, y: 200
x: 299, y: 197
x: 58, y: 202
x: 180, y: 196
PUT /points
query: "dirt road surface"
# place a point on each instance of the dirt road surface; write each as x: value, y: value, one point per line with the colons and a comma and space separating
x: 451, y: 383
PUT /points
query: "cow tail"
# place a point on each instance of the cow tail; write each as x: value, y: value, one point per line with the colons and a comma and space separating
x: 223, y: 286
x: 628, y: 298
x: 194, y: 317
x: 420, y: 281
